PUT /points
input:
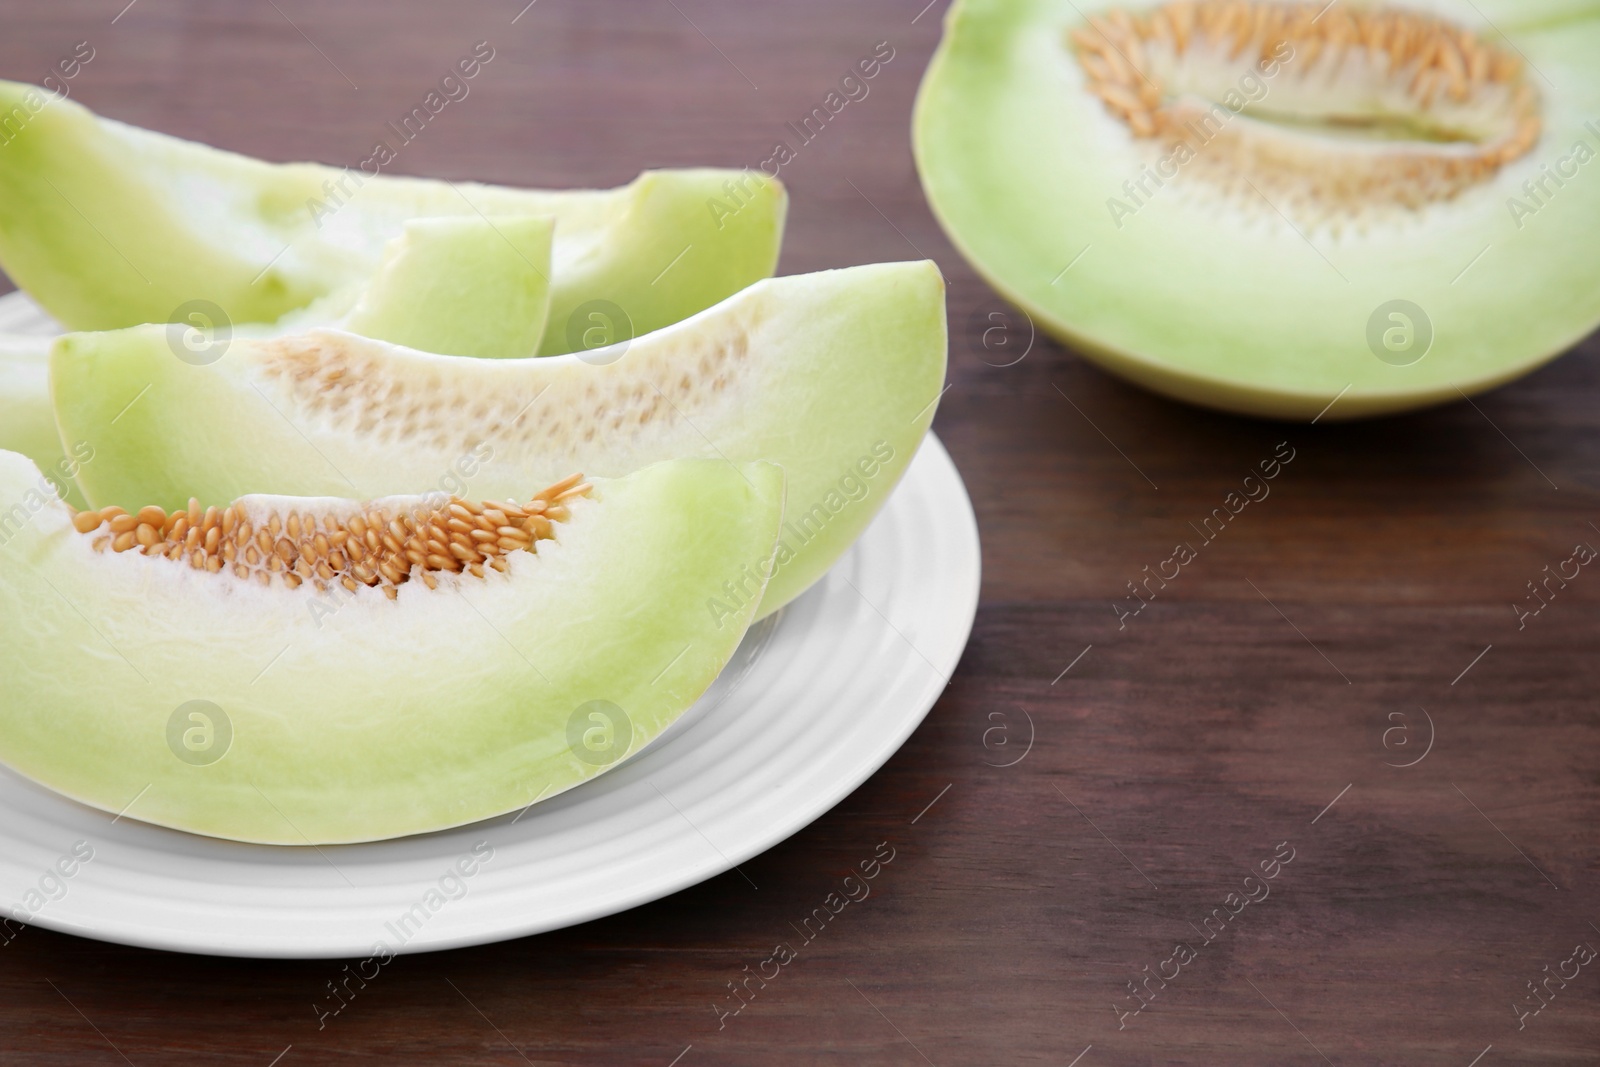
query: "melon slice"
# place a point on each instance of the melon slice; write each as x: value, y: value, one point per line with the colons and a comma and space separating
x: 109, y: 225
x: 27, y: 423
x: 834, y: 376
x: 1264, y: 206
x: 459, y: 285
x: 463, y: 286
x: 186, y: 669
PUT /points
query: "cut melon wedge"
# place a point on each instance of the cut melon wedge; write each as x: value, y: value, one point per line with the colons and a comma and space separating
x: 465, y: 286
x: 458, y: 286
x: 462, y: 286
x: 834, y: 376
x: 27, y: 423
x: 109, y: 225
x: 220, y: 693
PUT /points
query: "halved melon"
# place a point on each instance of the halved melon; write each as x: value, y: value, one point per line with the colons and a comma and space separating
x: 293, y: 671
x: 109, y: 225
x: 1263, y: 206
x: 834, y: 376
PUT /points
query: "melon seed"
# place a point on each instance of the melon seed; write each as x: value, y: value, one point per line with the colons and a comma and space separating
x: 1132, y: 61
x: 376, y: 548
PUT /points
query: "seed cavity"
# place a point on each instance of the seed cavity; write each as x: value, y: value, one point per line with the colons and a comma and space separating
x: 373, y: 546
x: 352, y: 386
x: 1361, y: 108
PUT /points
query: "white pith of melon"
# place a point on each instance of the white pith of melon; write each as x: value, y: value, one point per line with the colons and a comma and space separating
x: 262, y: 239
x: 380, y: 718
x: 834, y: 376
x: 1234, y: 301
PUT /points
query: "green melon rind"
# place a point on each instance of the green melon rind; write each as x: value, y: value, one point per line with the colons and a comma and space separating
x: 835, y: 376
x: 107, y: 225
x: 379, y: 719
x: 1194, y: 304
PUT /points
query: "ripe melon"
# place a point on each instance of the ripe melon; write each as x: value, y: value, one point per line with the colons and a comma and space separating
x: 27, y: 423
x: 294, y: 671
x: 108, y: 225
x: 1268, y: 206
x: 462, y: 286
x: 459, y: 285
x: 834, y: 376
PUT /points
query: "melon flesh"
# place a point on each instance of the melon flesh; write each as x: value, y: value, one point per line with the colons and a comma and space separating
x: 108, y: 225
x: 362, y: 717
x: 463, y: 286
x: 834, y: 376
x: 460, y: 286
x: 27, y: 424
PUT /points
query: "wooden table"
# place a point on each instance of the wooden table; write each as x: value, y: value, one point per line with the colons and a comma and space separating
x: 1264, y: 697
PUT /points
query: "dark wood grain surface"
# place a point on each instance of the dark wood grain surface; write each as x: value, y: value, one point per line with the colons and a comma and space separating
x: 1262, y: 698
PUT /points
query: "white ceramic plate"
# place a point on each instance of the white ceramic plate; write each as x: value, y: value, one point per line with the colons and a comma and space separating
x: 817, y: 698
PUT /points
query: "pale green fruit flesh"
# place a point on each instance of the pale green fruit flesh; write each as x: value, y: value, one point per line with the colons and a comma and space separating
x: 108, y: 226
x: 372, y: 718
x: 1229, y: 285
x: 834, y: 376
x: 463, y: 286
x: 27, y: 424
